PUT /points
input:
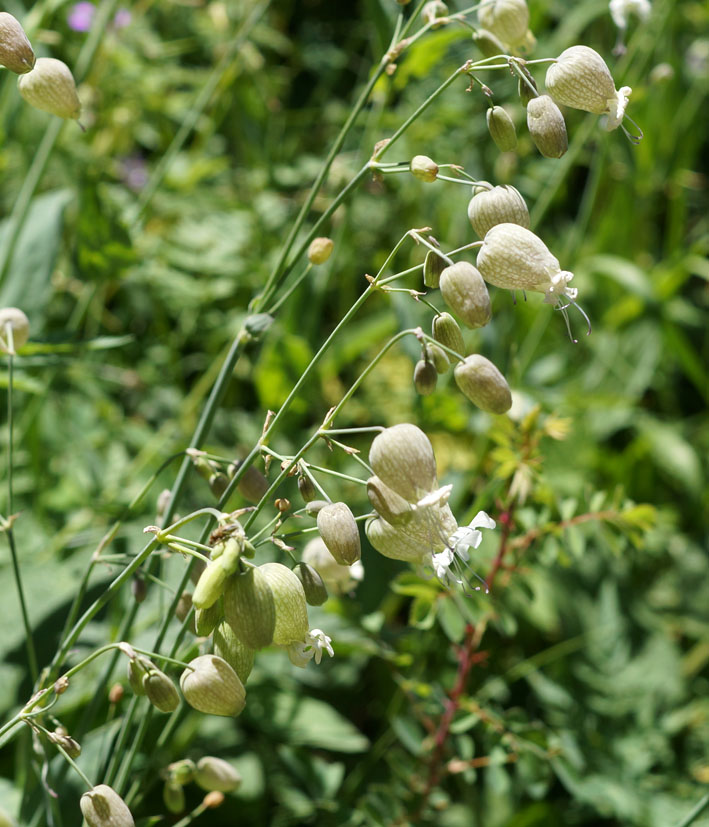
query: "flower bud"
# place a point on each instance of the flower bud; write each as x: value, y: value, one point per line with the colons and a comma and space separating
x: 210, y: 586
x: 206, y: 620
x: 580, y: 79
x: 15, y: 319
x: 338, y: 529
x: 516, y: 259
x: 180, y: 772
x: 306, y: 488
x: 211, y: 686
x: 437, y: 356
x: 423, y: 168
x: 184, y: 604
x: 253, y: 485
x: 314, y: 507
x: 312, y: 582
x: 138, y: 668
x: 213, y: 800
x: 483, y: 384
x: 50, y: 87
x: 446, y: 330
x: 507, y: 20
x: 402, y: 457
x: 289, y: 598
x: 218, y: 483
x: 161, y: 691
x: 15, y: 50
x: 216, y: 774
x: 174, y: 797
x: 116, y: 693
x: 336, y: 577
x: 228, y: 646
x: 526, y: 87
x: 249, y: 608
x: 103, y: 807
x: 499, y: 205
x: 488, y: 44
x: 547, y: 127
x: 501, y: 129
x: 320, y: 250
x: 425, y: 377
x: 71, y: 747
x: 433, y: 266
x: 139, y: 589
x: 387, y: 503
x: 464, y: 291
x: 433, y: 11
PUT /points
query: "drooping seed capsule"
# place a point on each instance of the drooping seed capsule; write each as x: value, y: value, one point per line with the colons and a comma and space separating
x: 253, y: 485
x: 218, y: 483
x: 228, y: 646
x: 446, y: 330
x: 488, y: 44
x: 387, y: 503
x: 501, y: 129
x: 15, y: 50
x: 206, y: 620
x: 508, y: 20
x: 291, y: 606
x: 464, y: 291
x: 216, y: 774
x: 313, y: 584
x: 402, y: 457
x: 161, y: 691
x: 336, y: 577
x: 50, y: 87
x: 103, y: 807
x: 581, y: 79
x: 516, y: 259
x: 428, y: 532
x: 424, y: 168
x: 320, y: 250
x: 138, y: 668
x: 314, y: 507
x: 13, y: 319
x: 393, y: 543
x: 306, y: 488
x: 526, y: 86
x: 425, y: 377
x: 338, y: 529
x: 499, y: 205
x: 249, y: 608
x: 437, y: 356
x: 547, y: 127
x: 483, y: 384
x: 211, y: 686
x: 173, y: 797
x: 433, y: 266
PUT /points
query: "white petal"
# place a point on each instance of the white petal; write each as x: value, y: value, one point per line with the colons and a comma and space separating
x: 617, y: 107
x: 438, y: 497
x: 482, y: 520
x: 441, y: 563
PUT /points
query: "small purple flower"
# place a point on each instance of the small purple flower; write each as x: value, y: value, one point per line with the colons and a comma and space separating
x: 81, y: 15
x: 122, y: 18
x: 134, y: 172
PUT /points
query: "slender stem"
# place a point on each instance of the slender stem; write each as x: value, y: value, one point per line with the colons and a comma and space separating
x: 697, y: 810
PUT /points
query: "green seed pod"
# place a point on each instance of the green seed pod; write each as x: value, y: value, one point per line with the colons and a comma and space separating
x: 249, y: 608
x: 423, y: 168
x: 438, y: 357
x: 174, y: 797
x: 483, y: 384
x: 387, y: 503
x: 425, y: 377
x: 103, y: 807
x: 257, y: 324
x: 313, y: 585
x: 433, y: 266
x: 15, y: 50
x: 338, y: 529
x: 446, y: 330
x: 392, y: 543
x: 228, y: 646
x: 216, y: 774
x: 210, y: 586
x: 526, y: 87
x: 402, y: 457
x: 320, y: 250
x: 464, y: 291
x: 206, y: 620
x: 516, y: 259
x: 488, y: 44
x: 507, y: 20
x: 218, y: 483
x: 337, y: 578
x: 499, y: 205
x: 580, y: 79
x: 547, y: 127
x: 428, y: 532
x: 15, y: 319
x: 502, y: 129
x: 291, y: 606
x: 306, y: 488
x: 50, y: 87
x: 253, y: 485
x: 161, y: 691
x: 211, y: 686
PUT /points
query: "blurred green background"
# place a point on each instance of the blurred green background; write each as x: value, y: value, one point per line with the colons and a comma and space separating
x: 590, y: 705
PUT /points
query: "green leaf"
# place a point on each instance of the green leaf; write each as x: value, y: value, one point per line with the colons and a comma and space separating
x: 313, y: 723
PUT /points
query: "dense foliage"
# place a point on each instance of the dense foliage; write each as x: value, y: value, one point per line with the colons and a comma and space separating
x: 576, y: 692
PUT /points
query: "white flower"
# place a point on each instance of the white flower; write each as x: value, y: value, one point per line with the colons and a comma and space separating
x: 616, y: 108
x: 621, y: 9
x: 449, y: 565
x: 315, y: 642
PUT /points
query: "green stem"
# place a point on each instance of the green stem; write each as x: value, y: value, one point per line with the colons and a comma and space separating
x: 697, y: 810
